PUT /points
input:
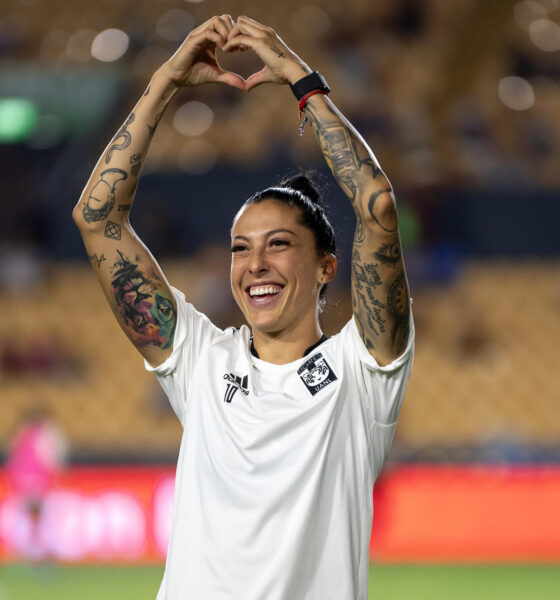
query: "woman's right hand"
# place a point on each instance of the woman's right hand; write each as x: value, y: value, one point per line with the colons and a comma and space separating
x: 195, y: 61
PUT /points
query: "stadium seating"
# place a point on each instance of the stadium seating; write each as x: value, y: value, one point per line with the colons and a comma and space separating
x: 485, y: 368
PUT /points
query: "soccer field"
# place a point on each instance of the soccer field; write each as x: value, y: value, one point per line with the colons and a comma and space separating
x: 395, y: 582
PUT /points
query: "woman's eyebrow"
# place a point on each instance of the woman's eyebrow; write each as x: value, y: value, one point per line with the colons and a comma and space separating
x: 275, y: 231
x: 267, y: 234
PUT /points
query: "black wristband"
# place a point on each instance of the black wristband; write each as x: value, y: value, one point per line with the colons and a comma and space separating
x: 309, y: 83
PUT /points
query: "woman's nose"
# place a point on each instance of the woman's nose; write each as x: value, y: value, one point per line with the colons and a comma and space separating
x: 258, y: 263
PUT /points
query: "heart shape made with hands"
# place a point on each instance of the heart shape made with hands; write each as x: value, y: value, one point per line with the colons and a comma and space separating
x: 261, y: 52
x: 243, y: 62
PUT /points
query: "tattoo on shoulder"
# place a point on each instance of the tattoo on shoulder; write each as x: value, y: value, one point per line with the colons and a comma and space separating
x: 96, y: 260
x: 101, y: 199
x: 121, y: 133
x: 146, y: 312
x: 113, y: 230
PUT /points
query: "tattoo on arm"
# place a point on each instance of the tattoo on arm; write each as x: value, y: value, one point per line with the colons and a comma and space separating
x: 367, y: 308
x: 146, y: 312
x: 153, y: 127
x: 371, y: 205
x: 113, y: 230
x: 101, y: 199
x: 389, y: 254
x: 133, y: 189
x: 359, y: 234
x: 121, y: 133
x: 371, y: 164
x: 136, y: 162
x: 343, y: 152
x: 278, y: 53
x: 96, y: 260
x: 123, y: 207
x: 339, y: 152
x: 397, y: 305
x: 374, y: 317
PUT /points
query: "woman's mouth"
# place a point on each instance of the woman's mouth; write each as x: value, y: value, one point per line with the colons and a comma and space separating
x: 261, y: 295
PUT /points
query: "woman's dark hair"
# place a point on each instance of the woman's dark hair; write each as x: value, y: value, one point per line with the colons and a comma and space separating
x: 300, y: 192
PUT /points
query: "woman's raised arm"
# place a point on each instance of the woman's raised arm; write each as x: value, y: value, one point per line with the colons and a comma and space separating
x: 132, y: 281
x: 380, y: 294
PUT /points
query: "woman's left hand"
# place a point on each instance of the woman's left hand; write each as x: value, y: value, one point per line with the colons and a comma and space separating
x: 281, y: 65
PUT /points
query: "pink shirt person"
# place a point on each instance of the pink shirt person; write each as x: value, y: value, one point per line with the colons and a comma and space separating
x: 35, y: 457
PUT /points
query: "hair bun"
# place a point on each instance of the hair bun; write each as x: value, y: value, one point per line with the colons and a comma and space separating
x: 304, y: 184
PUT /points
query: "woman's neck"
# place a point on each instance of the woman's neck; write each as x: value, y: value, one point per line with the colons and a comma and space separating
x: 286, y: 347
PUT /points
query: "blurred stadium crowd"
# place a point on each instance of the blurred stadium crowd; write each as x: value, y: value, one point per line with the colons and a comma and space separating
x: 460, y: 101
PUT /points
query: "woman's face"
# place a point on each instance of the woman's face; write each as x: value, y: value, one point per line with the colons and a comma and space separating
x: 276, y: 274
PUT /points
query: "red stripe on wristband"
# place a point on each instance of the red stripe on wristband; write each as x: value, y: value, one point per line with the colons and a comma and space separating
x: 303, y: 101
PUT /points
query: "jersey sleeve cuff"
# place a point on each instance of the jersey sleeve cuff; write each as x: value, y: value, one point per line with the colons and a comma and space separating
x: 370, y: 361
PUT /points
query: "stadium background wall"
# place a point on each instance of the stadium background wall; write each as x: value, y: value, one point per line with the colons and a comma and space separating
x: 423, y: 513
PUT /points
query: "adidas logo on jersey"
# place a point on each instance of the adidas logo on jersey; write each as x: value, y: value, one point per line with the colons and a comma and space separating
x: 316, y: 373
x: 235, y: 383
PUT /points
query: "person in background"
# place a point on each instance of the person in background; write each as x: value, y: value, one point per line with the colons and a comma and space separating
x: 35, y: 457
x: 285, y: 430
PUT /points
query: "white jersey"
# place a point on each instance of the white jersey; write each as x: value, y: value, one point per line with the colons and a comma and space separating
x: 273, y: 494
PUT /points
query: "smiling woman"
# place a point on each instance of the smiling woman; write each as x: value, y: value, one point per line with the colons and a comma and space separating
x: 285, y: 430
x: 282, y: 258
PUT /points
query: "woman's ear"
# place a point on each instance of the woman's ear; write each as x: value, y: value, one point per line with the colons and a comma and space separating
x: 328, y: 268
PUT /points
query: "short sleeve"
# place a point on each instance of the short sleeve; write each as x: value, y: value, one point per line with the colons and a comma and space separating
x: 383, y: 387
x: 194, y: 333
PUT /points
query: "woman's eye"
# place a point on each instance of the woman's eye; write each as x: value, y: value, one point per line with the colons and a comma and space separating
x: 278, y: 243
x: 238, y: 248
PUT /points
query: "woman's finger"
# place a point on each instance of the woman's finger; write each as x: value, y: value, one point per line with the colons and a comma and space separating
x: 238, y: 29
x: 258, y: 78
x: 253, y: 23
x: 240, y: 41
x: 208, y: 35
x: 220, y: 25
x: 232, y: 79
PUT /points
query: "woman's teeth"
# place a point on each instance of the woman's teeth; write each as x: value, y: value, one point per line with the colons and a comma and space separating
x: 263, y: 290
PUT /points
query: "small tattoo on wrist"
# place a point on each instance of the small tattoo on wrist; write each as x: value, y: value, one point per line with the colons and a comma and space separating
x: 278, y: 53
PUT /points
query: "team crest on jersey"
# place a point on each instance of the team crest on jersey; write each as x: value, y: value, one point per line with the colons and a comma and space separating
x: 236, y: 382
x: 316, y: 373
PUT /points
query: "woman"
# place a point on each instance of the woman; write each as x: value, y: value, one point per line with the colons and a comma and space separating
x: 284, y: 429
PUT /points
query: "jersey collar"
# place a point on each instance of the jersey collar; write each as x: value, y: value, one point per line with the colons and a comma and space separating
x: 310, y: 349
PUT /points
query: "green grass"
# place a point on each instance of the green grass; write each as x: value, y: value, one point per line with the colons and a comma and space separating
x: 387, y: 582
x: 464, y: 582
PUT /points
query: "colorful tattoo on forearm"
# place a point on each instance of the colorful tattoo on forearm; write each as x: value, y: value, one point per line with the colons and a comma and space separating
x: 147, y: 315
